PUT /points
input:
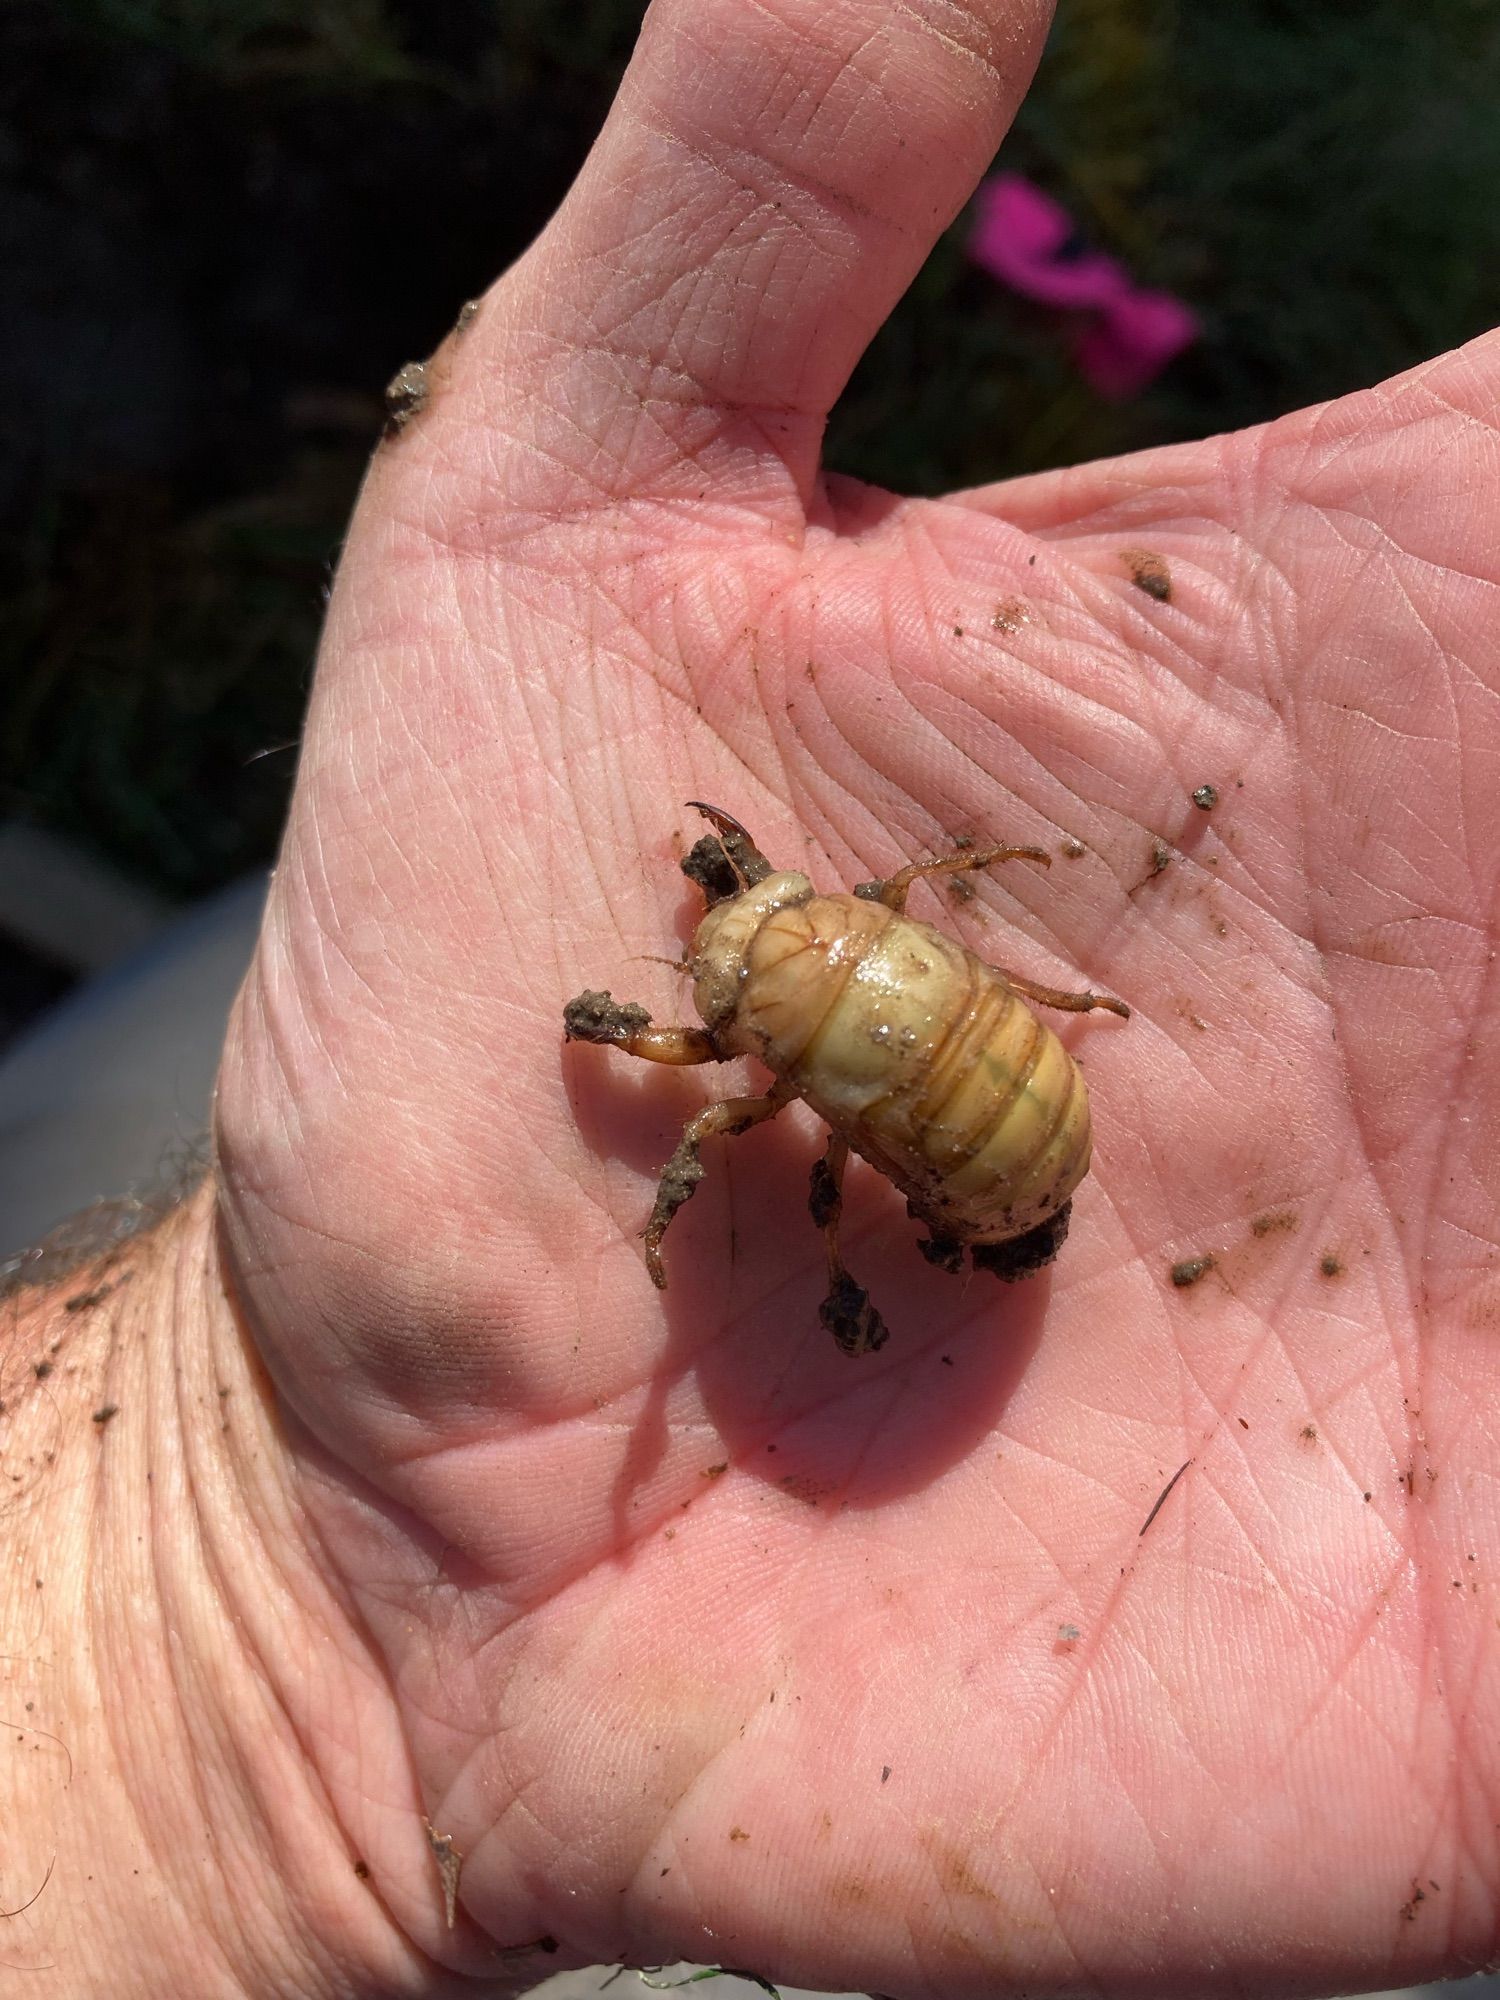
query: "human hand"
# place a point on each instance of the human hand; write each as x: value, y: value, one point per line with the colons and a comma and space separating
x: 697, y: 1638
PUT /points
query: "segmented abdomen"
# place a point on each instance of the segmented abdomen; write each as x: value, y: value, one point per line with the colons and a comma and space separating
x: 922, y: 1057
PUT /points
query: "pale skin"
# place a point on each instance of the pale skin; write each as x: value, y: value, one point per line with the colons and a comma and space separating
x: 638, y: 1597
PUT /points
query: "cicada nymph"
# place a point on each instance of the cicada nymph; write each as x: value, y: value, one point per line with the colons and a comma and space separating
x: 920, y: 1057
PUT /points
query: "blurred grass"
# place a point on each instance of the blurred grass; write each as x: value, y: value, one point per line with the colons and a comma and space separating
x: 229, y: 221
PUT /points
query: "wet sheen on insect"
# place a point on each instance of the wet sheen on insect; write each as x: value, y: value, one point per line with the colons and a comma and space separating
x: 920, y: 1057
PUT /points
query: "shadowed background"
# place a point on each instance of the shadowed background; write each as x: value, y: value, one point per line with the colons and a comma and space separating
x: 228, y: 222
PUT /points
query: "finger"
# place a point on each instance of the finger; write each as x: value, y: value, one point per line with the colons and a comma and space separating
x: 772, y: 176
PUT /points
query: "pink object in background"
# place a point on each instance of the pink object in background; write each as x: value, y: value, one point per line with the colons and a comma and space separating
x: 1026, y: 240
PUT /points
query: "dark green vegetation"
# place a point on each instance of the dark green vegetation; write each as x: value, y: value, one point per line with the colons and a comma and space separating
x: 230, y: 221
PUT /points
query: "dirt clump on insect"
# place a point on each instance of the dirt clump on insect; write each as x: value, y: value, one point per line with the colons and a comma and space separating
x: 921, y: 1058
x: 596, y: 1017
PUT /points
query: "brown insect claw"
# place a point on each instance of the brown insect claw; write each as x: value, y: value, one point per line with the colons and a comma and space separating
x: 744, y: 857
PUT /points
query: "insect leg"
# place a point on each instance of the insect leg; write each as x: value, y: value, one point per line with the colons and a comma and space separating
x: 893, y: 890
x: 1058, y: 996
x: 621, y: 1024
x: 682, y: 1173
x: 846, y: 1312
x: 740, y: 851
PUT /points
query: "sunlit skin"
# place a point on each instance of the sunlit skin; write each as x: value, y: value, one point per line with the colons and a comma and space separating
x: 660, y: 1586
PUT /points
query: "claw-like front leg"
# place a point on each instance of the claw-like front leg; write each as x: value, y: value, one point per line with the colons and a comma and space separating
x: 682, y: 1173
x: 622, y: 1024
x: 846, y: 1312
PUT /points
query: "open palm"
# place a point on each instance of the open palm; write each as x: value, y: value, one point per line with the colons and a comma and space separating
x: 697, y: 1637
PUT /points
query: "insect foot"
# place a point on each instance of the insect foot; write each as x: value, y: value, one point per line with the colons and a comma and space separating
x: 595, y: 1017
x: 851, y: 1319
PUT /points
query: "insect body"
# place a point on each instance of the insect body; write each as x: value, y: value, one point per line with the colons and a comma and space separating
x: 921, y: 1058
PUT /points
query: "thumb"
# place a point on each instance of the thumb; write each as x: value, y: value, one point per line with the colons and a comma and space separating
x: 769, y: 181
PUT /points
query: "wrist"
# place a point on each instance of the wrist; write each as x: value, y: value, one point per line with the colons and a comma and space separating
x: 196, y: 1736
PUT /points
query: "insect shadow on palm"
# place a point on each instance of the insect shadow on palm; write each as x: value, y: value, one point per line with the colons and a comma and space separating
x: 920, y: 1057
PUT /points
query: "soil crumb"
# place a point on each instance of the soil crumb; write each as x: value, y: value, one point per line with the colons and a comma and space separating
x: 1273, y: 1222
x: 1148, y: 572
x: 1190, y: 1269
x: 1158, y: 861
x: 406, y: 396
